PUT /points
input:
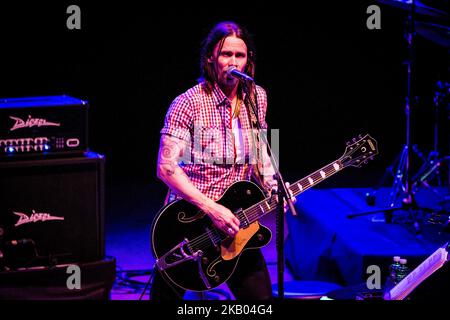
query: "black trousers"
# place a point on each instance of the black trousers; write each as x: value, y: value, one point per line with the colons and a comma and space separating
x: 250, y: 281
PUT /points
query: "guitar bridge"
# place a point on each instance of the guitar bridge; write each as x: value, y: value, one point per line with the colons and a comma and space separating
x: 178, y: 255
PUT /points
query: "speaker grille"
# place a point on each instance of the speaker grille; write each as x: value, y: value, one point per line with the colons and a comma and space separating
x: 51, y: 211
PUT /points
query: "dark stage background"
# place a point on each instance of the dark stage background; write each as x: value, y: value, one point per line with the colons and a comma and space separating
x: 328, y: 77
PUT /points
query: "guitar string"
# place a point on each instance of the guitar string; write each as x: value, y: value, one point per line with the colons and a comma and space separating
x: 203, y: 241
x: 254, y: 213
x: 329, y: 170
x: 205, y: 237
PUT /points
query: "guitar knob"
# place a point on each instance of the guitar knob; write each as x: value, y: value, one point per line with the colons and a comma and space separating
x: 216, y: 278
x: 205, y: 260
x: 249, y: 192
x: 260, y: 237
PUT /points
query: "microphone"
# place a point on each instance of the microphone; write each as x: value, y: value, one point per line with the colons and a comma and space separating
x: 232, y: 71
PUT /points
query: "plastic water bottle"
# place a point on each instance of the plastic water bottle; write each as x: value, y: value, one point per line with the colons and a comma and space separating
x: 391, y: 280
x: 403, y: 270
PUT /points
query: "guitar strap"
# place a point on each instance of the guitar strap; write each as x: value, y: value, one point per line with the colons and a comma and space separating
x: 167, y: 198
x: 255, y: 145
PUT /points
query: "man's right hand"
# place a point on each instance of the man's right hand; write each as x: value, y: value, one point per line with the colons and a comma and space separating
x: 223, y: 219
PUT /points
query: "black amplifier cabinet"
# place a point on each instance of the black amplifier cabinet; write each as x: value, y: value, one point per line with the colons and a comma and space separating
x: 50, y: 125
x: 51, y: 211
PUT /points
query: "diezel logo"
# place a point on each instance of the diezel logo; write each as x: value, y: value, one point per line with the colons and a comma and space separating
x: 31, y: 122
x: 35, y: 217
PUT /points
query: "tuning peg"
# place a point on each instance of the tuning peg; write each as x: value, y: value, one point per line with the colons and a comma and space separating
x: 348, y: 143
x: 360, y: 136
x: 354, y: 139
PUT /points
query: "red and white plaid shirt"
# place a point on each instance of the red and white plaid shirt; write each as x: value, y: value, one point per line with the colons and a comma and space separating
x: 203, y: 120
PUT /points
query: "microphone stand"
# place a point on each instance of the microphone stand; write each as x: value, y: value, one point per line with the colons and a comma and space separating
x: 282, y: 193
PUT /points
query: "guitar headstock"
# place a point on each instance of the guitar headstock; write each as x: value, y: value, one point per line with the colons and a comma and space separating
x: 359, y: 151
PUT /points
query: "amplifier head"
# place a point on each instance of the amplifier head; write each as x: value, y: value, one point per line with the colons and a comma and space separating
x: 43, y: 125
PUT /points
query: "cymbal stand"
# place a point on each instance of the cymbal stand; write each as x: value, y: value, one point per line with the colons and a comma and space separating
x: 402, y: 179
x: 431, y: 168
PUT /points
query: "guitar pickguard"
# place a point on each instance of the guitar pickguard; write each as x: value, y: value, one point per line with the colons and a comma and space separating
x: 230, y: 250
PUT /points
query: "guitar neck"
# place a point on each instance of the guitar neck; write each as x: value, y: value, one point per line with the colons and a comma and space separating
x: 269, y: 204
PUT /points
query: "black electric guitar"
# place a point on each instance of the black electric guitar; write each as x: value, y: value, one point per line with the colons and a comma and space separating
x: 193, y: 254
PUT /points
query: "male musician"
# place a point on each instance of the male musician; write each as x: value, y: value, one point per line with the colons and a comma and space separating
x: 208, y: 142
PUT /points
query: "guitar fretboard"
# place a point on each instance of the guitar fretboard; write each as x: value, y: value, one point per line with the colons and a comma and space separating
x: 269, y: 204
x: 356, y: 154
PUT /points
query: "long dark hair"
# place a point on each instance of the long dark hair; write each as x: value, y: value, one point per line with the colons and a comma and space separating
x: 217, y: 35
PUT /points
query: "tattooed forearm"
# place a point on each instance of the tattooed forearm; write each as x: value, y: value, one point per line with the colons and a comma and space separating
x: 168, y: 159
x: 170, y: 151
x: 169, y: 169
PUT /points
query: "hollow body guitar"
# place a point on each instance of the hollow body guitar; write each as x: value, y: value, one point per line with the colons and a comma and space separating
x: 193, y: 254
